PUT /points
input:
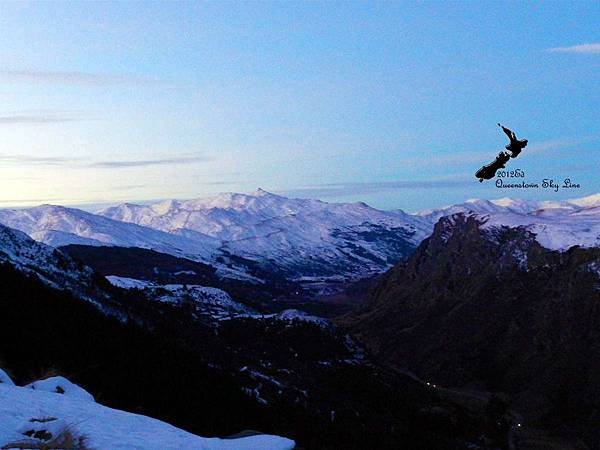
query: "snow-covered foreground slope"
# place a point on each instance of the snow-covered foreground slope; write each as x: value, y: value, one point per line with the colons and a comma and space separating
x: 44, y: 415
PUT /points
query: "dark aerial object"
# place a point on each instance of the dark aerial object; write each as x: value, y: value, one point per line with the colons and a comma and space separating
x: 488, y: 171
x: 516, y: 145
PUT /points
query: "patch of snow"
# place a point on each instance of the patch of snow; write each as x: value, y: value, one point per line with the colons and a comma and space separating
x: 295, y: 314
x: 288, y: 315
x: 261, y: 376
x: 594, y: 267
x: 185, y: 272
x: 5, y: 379
x: 62, y: 386
x: 128, y: 283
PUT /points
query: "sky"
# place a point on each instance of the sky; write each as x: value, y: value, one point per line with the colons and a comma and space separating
x: 391, y: 103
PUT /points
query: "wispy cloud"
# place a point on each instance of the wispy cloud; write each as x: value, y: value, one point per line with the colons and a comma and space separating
x: 147, y: 162
x: 70, y: 77
x: 75, y: 162
x: 37, y: 160
x: 591, y: 48
x: 229, y: 183
x: 363, y: 188
x: 129, y: 187
x: 41, y: 117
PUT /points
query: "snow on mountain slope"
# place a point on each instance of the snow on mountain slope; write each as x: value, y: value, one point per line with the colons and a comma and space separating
x: 301, y: 236
x: 482, y: 206
x: 57, y: 226
x: 35, y: 417
x: 586, y: 202
x: 234, y: 217
x: 507, y: 204
x: 52, y: 266
x: 207, y: 301
x: 292, y: 315
x: 558, y: 225
x: 555, y: 229
x: 470, y: 206
x: 298, y: 238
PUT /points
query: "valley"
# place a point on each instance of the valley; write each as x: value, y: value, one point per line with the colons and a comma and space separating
x: 443, y: 329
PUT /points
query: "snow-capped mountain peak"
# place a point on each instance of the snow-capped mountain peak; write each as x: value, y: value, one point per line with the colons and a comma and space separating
x: 288, y: 233
x: 587, y: 202
x: 59, y: 225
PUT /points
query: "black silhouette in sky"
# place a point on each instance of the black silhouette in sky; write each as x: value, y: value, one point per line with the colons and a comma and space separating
x: 489, y: 171
x: 515, y: 147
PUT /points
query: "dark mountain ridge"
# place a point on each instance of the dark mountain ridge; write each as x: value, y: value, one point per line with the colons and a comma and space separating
x: 489, y: 307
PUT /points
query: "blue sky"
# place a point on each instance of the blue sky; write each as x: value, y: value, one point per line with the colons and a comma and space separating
x: 390, y: 103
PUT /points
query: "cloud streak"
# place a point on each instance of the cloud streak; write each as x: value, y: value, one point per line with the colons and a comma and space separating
x: 364, y: 188
x: 37, y: 160
x: 147, y: 162
x: 41, y: 117
x: 592, y: 48
x: 33, y: 160
x: 70, y: 77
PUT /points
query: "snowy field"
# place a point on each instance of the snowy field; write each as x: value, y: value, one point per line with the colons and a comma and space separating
x: 54, y: 410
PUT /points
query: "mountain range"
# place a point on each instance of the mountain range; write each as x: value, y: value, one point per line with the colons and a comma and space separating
x: 298, y: 239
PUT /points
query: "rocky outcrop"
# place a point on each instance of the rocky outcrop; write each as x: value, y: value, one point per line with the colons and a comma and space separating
x: 489, y: 307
